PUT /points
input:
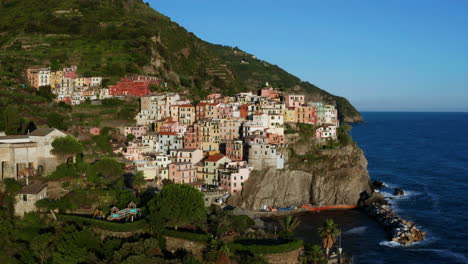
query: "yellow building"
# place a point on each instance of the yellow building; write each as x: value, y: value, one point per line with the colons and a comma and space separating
x: 290, y: 115
x: 210, y: 134
x: 56, y: 79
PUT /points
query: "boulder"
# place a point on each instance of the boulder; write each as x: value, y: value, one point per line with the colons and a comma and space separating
x: 378, y: 184
x: 398, y: 192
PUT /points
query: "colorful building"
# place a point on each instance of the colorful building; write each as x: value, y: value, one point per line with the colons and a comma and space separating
x: 134, y: 86
x: 233, y: 175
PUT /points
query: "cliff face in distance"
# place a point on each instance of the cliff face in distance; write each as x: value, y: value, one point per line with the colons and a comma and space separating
x: 336, y: 177
x: 113, y: 38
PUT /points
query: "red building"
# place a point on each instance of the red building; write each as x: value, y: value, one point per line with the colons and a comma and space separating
x: 135, y: 86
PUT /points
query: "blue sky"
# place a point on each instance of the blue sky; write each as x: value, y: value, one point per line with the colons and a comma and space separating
x: 398, y: 55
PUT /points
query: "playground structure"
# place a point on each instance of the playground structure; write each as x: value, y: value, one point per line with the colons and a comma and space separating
x: 127, y: 214
x: 98, y: 214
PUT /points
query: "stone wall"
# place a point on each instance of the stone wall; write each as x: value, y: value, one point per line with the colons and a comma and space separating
x: 291, y: 257
x: 196, y: 248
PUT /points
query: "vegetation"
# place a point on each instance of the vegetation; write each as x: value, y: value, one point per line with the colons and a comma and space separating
x: 270, y: 247
x: 177, y: 205
x: 328, y: 232
x: 114, y: 38
x: 65, y: 147
x: 314, y: 254
x: 288, y: 224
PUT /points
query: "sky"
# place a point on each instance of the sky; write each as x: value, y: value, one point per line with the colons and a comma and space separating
x: 389, y: 55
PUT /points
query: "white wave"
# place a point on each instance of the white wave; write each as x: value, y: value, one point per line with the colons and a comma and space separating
x: 446, y: 253
x: 391, y: 244
x: 356, y: 230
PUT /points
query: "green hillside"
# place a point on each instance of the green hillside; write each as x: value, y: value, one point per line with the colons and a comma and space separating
x: 112, y: 38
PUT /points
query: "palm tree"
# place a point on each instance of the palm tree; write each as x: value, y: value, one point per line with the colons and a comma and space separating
x: 138, y: 181
x: 289, y: 223
x: 315, y: 253
x: 328, y: 233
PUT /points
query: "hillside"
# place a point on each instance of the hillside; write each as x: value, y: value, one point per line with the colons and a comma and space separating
x: 112, y: 38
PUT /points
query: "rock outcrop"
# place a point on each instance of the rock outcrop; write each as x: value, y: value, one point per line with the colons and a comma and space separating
x: 328, y: 177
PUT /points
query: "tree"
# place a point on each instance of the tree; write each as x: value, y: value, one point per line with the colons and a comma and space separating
x: 328, y: 232
x: 57, y: 120
x: 40, y: 246
x: 73, y: 247
x: 138, y: 180
x: 46, y: 92
x: 66, y: 147
x: 108, y: 168
x: 314, y: 253
x: 12, y: 120
x: 176, y: 205
x: 289, y: 223
x: 130, y: 137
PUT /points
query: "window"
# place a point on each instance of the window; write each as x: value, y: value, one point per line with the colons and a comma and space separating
x: 25, y: 197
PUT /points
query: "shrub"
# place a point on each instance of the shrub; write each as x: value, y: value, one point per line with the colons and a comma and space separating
x: 102, y: 224
x: 256, y: 248
x: 199, y: 237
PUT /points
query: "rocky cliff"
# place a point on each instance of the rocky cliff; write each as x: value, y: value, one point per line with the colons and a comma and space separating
x: 325, y: 177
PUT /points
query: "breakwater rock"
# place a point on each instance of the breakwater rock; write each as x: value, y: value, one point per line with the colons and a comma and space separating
x: 400, y: 230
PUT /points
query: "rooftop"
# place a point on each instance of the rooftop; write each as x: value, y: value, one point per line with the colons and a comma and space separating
x: 34, y: 188
x: 41, y: 132
x: 215, y: 158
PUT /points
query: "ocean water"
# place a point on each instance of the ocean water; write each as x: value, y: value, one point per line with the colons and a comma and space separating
x: 426, y: 155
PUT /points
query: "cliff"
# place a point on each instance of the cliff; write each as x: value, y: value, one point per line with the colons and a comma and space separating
x: 328, y: 177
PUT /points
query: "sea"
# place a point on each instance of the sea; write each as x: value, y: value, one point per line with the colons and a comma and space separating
x: 425, y: 155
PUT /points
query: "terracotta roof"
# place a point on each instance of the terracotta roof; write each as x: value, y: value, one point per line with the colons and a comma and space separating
x: 34, y: 188
x: 215, y: 158
x: 168, y: 133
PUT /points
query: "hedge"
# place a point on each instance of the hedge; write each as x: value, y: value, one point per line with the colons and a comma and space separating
x: 266, y: 249
x: 203, y: 238
x: 129, y: 227
x: 102, y: 224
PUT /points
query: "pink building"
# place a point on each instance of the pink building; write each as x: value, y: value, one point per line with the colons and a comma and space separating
x: 169, y: 125
x: 225, y: 111
x: 233, y: 176
x: 182, y: 172
x: 95, y: 131
x: 70, y: 72
x: 235, y: 150
x: 214, y: 96
x: 256, y: 139
x: 135, y: 151
x: 294, y: 100
x: 269, y: 93
x: 137, y: 131
x: 191, y: 155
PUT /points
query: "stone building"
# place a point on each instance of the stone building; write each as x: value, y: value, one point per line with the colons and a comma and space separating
x: 264, y: 156
x: 28, y: 155
x: 28, y: 196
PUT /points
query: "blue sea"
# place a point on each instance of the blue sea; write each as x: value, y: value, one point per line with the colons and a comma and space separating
x: 426, y: 155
